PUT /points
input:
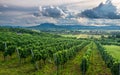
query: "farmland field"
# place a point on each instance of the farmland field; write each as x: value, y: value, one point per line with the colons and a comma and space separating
x: 82, y: 36
x: 113, y: 50
x: 27, y: 52
x: 59, y: 37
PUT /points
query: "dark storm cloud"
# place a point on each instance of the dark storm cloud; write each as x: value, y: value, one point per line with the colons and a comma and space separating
x: 103, y: 11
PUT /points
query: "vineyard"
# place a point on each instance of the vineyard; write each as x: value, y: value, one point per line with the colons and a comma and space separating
x: 26, y: 52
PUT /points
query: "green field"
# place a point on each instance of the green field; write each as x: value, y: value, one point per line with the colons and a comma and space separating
x: 113, y: 50
x: 83, y: 36
x: 26, y: 52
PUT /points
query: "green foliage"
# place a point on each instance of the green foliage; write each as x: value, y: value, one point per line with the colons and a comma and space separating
x: 111, y: 62
x: 84, y: 65
x: 115, y: 68
x: 24, y: 53
x: 43, y: 46
x: 37, y: 56
x: 10, y: 50
x: 61, y: 57
x: 85, y: 61
x: 2, y: 46
x: 44, y: 55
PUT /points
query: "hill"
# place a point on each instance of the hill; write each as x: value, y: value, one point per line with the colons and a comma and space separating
x: 53, y: 27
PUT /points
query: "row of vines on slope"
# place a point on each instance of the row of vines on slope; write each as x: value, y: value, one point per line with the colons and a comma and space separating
x: 61, y: 57
x: 36, y: 47
x: 111, y: 62
x: 86, y: 60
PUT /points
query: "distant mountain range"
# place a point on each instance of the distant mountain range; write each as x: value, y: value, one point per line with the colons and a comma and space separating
x: 53, y: 27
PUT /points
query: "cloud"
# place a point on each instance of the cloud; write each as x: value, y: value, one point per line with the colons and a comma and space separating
x: 50, y: 11
x: 0, y: 13
x: 6, y: 6
x: 105, y: 10
x: 98, y: 22
x: 68, y: 12
x: 23, y: 19
x: 33, y: 3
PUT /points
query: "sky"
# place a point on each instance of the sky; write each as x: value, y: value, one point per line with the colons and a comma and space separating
x: 60, y: 12
x: 31, y: 3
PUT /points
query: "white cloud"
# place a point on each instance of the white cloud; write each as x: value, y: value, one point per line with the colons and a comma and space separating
x: 82, y: 20
x: 51, y: 11
x: 99, y: 22
x: 56, y: 12
x: 0, y: 13
x: 30, y: 3
x: 4, y: 5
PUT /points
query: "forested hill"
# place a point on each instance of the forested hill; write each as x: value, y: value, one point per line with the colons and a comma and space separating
x: 53, y: 27
x: 26, y: 31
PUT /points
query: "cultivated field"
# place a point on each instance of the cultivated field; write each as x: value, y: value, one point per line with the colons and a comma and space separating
x: 113, y: 50
x: 26, y: 52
